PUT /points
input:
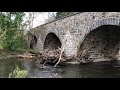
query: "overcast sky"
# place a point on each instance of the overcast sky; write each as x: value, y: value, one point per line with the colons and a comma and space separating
x: 40, y: 19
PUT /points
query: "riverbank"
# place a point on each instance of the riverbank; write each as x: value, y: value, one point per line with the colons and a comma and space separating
x: 6, y: 54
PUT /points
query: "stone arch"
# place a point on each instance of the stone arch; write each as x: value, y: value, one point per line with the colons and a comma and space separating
x: 99, y: 27
x: 106, y: 21
x: 52, y: 41
x: 33, y: 41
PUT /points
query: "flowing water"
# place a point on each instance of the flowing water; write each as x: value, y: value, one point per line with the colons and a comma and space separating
x: 94, y: 70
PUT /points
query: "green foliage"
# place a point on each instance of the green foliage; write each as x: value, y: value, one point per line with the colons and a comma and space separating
x: 18, y: 44
x: 17, y: 73
x: 11, y: 20
x: 15, y: 42
x: 11, y: 36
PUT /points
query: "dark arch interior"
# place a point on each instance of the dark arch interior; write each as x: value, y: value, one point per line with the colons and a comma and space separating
x: 33, y: 42
x: 104, y: 40
x: 52, y: 42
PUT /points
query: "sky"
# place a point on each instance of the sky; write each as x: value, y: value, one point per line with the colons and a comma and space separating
x: 40, y: 19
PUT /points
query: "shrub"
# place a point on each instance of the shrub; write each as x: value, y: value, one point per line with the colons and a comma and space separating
x: 17, y: 73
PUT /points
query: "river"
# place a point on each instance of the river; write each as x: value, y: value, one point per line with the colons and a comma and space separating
x: 94, y: 70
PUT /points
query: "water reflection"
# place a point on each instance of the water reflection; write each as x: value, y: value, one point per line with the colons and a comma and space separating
x: 95, y: 70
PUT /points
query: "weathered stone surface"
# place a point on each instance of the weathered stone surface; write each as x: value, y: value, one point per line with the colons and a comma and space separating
x: 72, y: 30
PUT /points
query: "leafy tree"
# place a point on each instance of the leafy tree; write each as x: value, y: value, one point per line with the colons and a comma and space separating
x: 11, y: 20
x: 11, y: 27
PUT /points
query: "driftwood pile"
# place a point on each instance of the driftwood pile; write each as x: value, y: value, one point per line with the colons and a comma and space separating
x: 57, y: 56
x: 85, y: 57
x: 25, y: 55
x: 54, y: 56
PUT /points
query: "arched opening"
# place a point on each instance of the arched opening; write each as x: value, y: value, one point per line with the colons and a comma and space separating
x: 33, y: 42
x: 103, y: 42
x: 52, y: 42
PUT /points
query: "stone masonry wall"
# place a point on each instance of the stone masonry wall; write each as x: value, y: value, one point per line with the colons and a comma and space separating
x: 72, y: 30
x: 103, y: 40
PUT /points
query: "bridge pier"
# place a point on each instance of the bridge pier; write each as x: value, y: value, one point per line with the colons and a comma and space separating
x: 69, y: 45
x: 39, y: 46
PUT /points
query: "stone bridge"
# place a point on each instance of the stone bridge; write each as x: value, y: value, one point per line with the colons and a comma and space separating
x: 76, y: 31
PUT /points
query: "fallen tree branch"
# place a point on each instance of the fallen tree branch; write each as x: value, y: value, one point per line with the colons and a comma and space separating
x: 43, y: 64
x: 59, y: 58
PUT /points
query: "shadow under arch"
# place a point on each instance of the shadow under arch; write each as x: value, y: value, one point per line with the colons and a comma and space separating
x: 52, y: 42
x: 104, y: 40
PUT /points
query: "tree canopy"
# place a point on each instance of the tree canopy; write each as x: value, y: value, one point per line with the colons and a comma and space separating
x: 11, y: 30
x: 11, y: 20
